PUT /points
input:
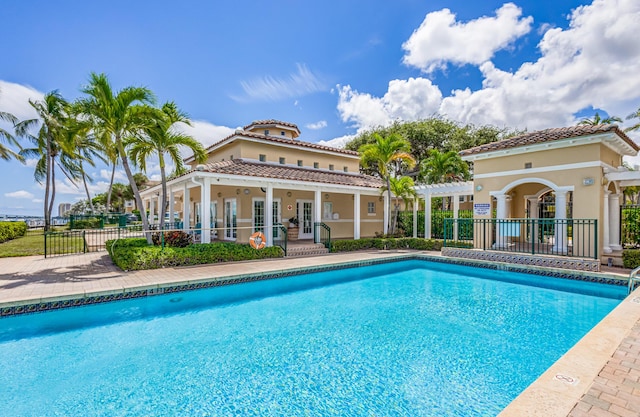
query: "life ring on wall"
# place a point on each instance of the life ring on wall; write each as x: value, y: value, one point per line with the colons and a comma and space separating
x: 257, y: 240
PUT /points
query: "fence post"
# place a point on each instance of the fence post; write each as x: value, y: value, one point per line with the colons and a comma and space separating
x: 595, y: 245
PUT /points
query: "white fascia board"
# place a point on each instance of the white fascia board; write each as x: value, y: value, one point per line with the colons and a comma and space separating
x: 446, y: 189
x: 610, y: 140
x: 623, y: 176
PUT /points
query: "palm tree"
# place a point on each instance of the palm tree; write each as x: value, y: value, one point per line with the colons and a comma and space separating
x: 441, y: 167
x: 88, y: 150
x: 162, y: 139
x: 402, y: 188
x: 52, y: 146
x: 634, y: 115
x: 114, y: 117
x: 387, y: 154
x: 6, y: 153
x: 596, y: 120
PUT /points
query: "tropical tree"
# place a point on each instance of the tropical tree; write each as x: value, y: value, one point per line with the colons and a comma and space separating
x: 441, y: 167
x: 403, y: 188
x: 51, y: 146
x: 634, y: 115
x: 388, y: 156
x: 163, y: 140
x: 597, y: 120
x: 6, y: 137
x: 116, y: 116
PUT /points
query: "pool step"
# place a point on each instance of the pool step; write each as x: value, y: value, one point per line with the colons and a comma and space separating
x: 310, y: 249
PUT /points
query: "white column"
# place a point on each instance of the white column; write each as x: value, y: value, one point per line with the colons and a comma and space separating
x: 614, y: 222
x: 205, y: 211
x: 317, y: 213
x: 456, y: 210
x: 501, y: 215
x: 385, y: 228
x: 427, y: 216
x: 560, y: 239
x: 186, y: 197
x: 172, y: 202
x: 152, y: 210
x: 356, y: 216
x: 606, y: 218
x: 268, y: 212
x: 415, y: 216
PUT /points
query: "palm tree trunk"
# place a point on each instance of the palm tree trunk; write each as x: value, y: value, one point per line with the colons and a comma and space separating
x: 86, y: 189
x: 389, y: 225
x: 164, y: 193
x: 53, y: 192
x: 134, y: 188
x: 47, y: 217
x: 113, y: 175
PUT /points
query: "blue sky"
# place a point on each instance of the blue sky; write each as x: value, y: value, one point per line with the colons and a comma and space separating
x: 332, y: 67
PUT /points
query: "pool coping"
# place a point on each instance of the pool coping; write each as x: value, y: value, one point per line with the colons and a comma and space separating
x: 548, y: 396
x: 63, y: 301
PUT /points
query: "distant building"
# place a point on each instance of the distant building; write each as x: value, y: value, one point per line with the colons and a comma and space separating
x: 63, y: 209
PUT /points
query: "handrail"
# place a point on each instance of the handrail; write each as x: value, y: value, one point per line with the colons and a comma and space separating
x: 285, y: 234
x: 633, y: 279
x: 322, y: 235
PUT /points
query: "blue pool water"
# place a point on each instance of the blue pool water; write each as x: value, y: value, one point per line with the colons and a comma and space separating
x: 409, y: 338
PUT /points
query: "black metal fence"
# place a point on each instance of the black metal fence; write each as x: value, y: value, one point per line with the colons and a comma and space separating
x: 630, y: 225
x: 83, y: 241
x: 565, y: 237
x: 322, y: 234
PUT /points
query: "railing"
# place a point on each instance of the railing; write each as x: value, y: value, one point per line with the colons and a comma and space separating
x: 83, y: 241
x: 562, y: 237
x: 633, y: 279
x: 281, y: 238
x: 322, y: 234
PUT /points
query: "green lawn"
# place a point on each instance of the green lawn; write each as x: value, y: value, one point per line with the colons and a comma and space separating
x: 33, y: 244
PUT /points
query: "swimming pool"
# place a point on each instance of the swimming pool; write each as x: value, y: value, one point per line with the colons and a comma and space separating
x: 406, y: 338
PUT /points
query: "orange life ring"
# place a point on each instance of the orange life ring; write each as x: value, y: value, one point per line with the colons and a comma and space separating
x: 257, y: 240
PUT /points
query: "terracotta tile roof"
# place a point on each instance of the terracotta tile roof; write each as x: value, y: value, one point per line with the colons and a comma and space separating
x: 285, y: 172
x: 279, y: 139
x: 550, y: 135
x: 271, y: 122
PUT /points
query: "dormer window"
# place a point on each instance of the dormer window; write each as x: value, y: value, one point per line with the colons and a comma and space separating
x: 330, y: 167
x: 282, y: 133
x: 282, y: 160
x: 316, y: 165
x: 345, y: 169
x: 299, y: 162
x: 263, y: 158
x: 266, y: 132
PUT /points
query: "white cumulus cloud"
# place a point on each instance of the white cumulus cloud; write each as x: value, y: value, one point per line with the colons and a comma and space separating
x: 441, y: 39
x: 317, y: 126
x: 592, y: 63
x: 19, y: 194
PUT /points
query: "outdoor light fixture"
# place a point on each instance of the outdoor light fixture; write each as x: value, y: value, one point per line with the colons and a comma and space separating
x: 246, y: 191
x: 588, y: 181
x: 478, y: 187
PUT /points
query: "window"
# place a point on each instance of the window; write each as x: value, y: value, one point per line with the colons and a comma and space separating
x: 345, y: 169
x: 330, y: 167
x: 327, y: 210
x: 371, y: 207
x: 282, y: 133
x: 282, y: 160
x: 461, y: 199
x: 266, y: 132
x: 299, y: 162
x: 527, y: 165
x: 316, y: 165
x: 263, y: 158
x: 231, y: 158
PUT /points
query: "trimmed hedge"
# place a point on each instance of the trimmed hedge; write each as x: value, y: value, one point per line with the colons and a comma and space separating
x: 393, y: 243
x: 135, y: 254
x: 631, y: 258
x: 12, y: 230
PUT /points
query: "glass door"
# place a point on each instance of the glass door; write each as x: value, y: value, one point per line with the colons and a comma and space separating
x: 230, y: 219
x: 305, y: 216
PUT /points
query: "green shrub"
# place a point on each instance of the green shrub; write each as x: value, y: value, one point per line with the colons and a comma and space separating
x: 349, y: 245
x: 87, y: 224
x: 12, y: 230
x: 631, y: 258
x: 135, y: 254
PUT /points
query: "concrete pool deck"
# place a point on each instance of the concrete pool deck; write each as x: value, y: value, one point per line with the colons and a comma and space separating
x: 599, y: 376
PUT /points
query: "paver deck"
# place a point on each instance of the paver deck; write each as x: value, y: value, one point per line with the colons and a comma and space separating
x: 610, y: 353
